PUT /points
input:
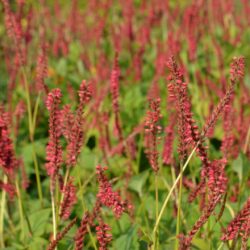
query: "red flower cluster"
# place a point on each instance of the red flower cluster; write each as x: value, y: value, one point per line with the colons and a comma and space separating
x: 239, y: 225
x: 14, y: 31
x: 81, y: 232
x: 75, y: 132
x: 236, y: 73
x: 178, y: 94
x: 69, y: 199
x: 52, y: 245
x: 217, y: 180
x: 114, y: 88
x: 54, y: 149
x: 103, y: 237
x: 8, y: 161
x: 167, y: 154
x: 41, y: 68
x: 107, y: 196
x: 152, y: 131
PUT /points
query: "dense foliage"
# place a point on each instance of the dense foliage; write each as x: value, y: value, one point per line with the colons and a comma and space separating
x: 125, y: 124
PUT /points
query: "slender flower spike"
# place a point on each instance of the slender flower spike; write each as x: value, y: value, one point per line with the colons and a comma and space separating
x: 185, y: 241
x: 42, y: 67
x: 14, y: 31
x: 152, y: 131
x: 8, y: 161
x: 69, y: 199
x: 75, y: 135
x: 54, y: 149
x: 81, y: 232
x: 236, y: 74
x: 114, y: 89
x: 178, y: 93
x: 167, y: 154
x: 239, y: 225
x: 60, y: 235
x: 104, y: 238
x: 107, y: 196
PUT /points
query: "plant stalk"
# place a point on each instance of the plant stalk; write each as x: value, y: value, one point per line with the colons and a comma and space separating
x: 179, y: 208
x: 2, y: 208
x: 172, y: 189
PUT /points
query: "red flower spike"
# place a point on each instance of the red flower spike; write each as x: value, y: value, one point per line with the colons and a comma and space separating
x: 74, y: 130
x: 114, y: 89
x: 81, y: 232
x: 239, y: 225
x: 69, y: 199
x: 54, y: 149
x: 107, y: 196
x: 8, y: 160
x: 152, y: 131
x: 104, y: 238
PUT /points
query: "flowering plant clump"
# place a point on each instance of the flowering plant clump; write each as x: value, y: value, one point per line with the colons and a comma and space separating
x: 124, y: 125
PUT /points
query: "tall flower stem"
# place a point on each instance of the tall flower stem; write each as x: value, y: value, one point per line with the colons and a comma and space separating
x: 20, y: 206
x: 64, y: 185
x: 179, y: 208
x: 2, y: 208
x: 31, y: 133
x: 156, y: 210
x: 53, y: 206
x: 172, y: 189
x: 247, y: 140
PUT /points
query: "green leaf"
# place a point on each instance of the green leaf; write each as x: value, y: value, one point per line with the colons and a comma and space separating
x: 241, y: 166
x: 38, y: 243
x: 127, y: 241
x: 61, y: 68
x: 200, y: 243
x: 237, y: 166
x: 87, y: 159
x: 38, y: 222
x: 137, y: 182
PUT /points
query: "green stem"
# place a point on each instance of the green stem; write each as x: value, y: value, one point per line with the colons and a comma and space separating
x: 26, y: 86
x: 37, y: 172
x: 35, y: 113
x: 171, y: 191
x: 92, y: 238
x: 3, y: 201
x: 64, y: 185
x: 31, y: 132
x: 20, y: 207
x: 179, y: 208
x: 247, y: 140
x: 156, y: 210
x: 53, y: 206
x: 221, y: 245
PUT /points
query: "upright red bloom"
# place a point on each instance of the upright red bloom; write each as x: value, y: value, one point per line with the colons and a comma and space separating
x: 114, y: 88
x: 69, y: 199
x: 167, y: 154
x: 14, y: 30
x: 82, y: 231
x: 178, y: 93
x: 42, y: 67
x: 107, y: 196
x: 8, y: 160
x: 54, y: 149
x: 75, y: 133
x: 152, y: 130
x: 239, y: 225
x: 236, y: 74
x: 103, y: 237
